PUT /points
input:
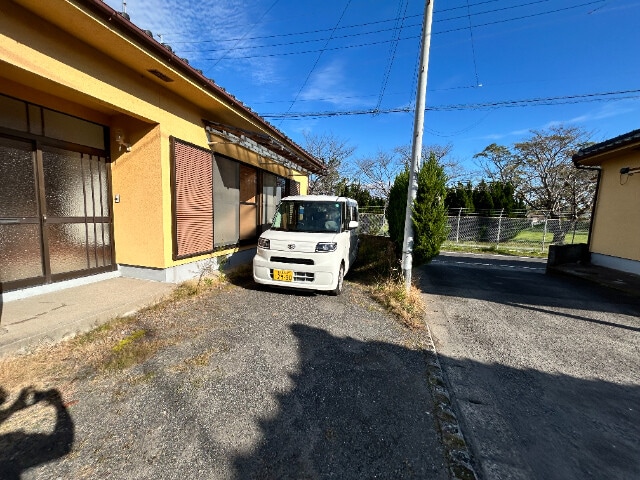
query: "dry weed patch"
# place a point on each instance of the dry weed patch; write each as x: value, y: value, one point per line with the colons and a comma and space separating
x: 111, y: 347
x: 377, y: 270
x: 407, y: 306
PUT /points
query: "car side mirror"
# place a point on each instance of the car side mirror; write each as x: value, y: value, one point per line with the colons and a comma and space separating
x: 353, y: 224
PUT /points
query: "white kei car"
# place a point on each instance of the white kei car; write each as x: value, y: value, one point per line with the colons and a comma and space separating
x: 312, y: 243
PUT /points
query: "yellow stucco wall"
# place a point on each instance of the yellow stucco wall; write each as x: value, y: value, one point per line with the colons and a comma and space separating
x: 616, y: 228
x: 39, y: 67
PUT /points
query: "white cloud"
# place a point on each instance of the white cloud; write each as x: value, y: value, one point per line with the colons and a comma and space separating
x: 205, y: 31
x: 500, y: 136
x: 607, y: 110
x: 329, y: 85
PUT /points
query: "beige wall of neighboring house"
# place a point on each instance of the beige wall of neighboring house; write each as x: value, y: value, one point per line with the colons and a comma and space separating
x: 615, y: 231
x: 85, y: 61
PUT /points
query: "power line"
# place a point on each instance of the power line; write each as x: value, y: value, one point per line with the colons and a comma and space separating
x: 366, y: 24
x: 344, y: 47
x: 326, y: 29
x: 318, y: 58
x: 530, y: 102
x: 372, y: 32
x: 392, y: 53
x: 473, y: 47
x: 247, y: 32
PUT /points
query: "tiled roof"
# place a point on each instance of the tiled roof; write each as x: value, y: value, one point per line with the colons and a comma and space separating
x: 608, y: 145
x: 146, y: 38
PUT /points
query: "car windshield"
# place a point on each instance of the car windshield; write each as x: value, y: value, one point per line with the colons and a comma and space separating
x: 308, y: 216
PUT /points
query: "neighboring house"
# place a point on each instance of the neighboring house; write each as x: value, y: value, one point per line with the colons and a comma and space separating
x: 614, y: 240
x: 118, y: 158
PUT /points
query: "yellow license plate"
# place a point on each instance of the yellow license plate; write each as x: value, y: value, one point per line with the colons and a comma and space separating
x: 283, y: 275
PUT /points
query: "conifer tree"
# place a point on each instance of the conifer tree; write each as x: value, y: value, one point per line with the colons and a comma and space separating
x: 396, y: 209
x: 429, y: 213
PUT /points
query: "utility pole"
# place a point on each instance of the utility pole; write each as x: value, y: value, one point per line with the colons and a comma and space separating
x: 416, y: 152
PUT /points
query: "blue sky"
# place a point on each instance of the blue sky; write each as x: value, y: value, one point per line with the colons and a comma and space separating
x: 326, y: 61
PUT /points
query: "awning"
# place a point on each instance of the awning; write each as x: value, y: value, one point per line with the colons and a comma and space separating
x: 265, y: 146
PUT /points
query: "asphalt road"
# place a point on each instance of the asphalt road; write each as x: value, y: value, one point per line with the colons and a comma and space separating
x: 545, y: 371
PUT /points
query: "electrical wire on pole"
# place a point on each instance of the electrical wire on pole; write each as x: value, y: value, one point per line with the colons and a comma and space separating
x: 418, y: 129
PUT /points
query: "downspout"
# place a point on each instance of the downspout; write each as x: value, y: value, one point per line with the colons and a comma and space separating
x: 595, y: 198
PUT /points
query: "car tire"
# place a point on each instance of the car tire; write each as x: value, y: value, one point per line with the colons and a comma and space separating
x: 340, y: 284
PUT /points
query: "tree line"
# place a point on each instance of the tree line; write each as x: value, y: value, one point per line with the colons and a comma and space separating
x: 536, y: 173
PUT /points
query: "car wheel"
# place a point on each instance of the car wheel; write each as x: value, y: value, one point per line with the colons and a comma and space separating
x: 338, y: 289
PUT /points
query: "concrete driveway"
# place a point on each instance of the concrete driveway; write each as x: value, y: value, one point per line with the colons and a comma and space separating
x: 545, y: 370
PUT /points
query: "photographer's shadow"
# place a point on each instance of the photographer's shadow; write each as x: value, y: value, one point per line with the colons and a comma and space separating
x: 19, y: 450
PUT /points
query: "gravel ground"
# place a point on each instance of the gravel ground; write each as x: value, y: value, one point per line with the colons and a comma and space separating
x: 266, y: 384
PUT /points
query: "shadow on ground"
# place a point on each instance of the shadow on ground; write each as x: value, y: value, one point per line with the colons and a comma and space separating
x: 19, y: 450
x: 571, y: 410
x: 362, y: 410
x: 540, y: 425
x: 357, y: 410
x: 523, y: 283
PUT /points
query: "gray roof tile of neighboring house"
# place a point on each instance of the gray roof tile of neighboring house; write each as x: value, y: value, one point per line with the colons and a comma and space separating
x: 608, y: 145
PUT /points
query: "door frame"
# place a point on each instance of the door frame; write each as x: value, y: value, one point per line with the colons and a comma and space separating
x: 37, y: 143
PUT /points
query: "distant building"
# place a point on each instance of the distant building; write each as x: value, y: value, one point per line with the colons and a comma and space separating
x: 118, y: 158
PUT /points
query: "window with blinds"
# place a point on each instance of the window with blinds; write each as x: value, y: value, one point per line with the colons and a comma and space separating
x: 193, y: 199
x: 219, y: 202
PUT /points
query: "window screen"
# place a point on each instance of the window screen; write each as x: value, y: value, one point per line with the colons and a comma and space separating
x: 273, y: 189
x: 293, y: 187
x: 226, y: 201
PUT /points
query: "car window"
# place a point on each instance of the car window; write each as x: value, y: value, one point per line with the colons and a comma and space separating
x: 308, y: 216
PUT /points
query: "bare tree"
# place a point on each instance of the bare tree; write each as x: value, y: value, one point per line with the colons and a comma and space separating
x: 498, y: 164
x: 378, y: 172
x: 333, y: 151
x: 550, y: 181
x: 541, y: 170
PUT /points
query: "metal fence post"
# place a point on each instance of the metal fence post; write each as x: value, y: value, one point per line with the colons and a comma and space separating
x: 544, y: 235
x: 499, y: 228
x: 458, y: 228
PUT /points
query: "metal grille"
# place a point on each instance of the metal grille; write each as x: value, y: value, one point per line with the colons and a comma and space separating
x: 372, y: 221
x: 303, y: 277
x: 294, y: 188
x: 193, y: 199
x: 295, y: 261
x: 373, y: 224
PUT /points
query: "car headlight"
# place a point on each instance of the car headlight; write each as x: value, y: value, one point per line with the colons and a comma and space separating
x: 264, y: 243
x: 326, y: 247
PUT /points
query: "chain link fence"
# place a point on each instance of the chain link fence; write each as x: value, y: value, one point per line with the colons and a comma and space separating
x: 373, y: 222
x: 530, y: 232
x: 522, y: 232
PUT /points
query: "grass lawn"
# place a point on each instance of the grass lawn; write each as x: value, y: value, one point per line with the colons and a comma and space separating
x: 527, y: 243
x: 536, y: 236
